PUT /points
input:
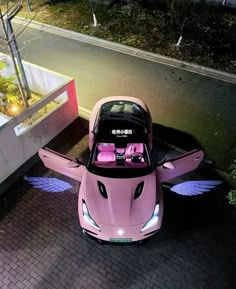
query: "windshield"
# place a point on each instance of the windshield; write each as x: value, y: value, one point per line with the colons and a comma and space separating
x: 121, y: 119
x: 124, y: 108
x: 126, y: 161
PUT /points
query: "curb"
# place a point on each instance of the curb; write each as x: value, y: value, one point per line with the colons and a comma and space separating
x: 84, y: 113
x: 203, y: 70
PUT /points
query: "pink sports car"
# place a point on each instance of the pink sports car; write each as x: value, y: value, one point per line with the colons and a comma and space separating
x: 120, y: 196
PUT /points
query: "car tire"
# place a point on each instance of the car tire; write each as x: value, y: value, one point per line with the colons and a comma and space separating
x: 100, y: 242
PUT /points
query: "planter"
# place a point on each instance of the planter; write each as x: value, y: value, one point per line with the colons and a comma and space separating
x: 22, y: 136
x: 4, y: 119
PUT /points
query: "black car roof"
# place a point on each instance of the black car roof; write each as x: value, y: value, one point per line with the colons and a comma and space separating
x: 121, y: 119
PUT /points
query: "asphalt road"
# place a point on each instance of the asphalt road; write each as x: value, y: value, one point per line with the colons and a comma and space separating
x: 199, y: 105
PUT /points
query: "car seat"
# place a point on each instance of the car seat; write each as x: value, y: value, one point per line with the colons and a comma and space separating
x: 106, y: 147
x: 134, y: 148
x: 106, y: 156
x: 106, y: 152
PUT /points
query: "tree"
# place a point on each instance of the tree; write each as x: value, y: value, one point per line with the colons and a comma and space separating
x: 92, y: 7
x: 180, y: 13
x: 9, y: 38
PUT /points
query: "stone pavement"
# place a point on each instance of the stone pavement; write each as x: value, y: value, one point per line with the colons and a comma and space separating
x: 42, y: 245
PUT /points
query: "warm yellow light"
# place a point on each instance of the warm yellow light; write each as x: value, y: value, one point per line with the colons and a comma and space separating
x: 14, y: 108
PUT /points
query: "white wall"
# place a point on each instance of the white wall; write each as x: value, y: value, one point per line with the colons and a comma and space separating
x: 4, y: 118
x: 40, y: 80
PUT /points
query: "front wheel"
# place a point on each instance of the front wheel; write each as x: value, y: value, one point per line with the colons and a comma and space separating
x: 100, y: 242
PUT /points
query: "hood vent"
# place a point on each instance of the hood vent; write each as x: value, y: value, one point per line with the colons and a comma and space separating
x: 102, y: 190
x: 138, y: 190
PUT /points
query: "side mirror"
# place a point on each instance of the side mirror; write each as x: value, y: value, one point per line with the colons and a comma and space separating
x: 168, y: 165
x: 79, y: 162
x: 73, y: 164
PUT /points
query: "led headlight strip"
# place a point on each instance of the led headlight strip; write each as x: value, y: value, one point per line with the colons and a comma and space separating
x: 153, y: 220
x: 87, y: 217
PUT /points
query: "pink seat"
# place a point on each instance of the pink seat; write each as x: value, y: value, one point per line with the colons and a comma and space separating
x: 134, y: 148
x: 106, y: 147
x: 106, y: 156
x: 120, y: 150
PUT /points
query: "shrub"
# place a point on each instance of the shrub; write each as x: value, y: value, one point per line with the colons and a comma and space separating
x: 232, y: 193
x: 9, y: 91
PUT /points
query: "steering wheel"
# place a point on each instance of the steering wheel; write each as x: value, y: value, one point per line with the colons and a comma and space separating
x: 136, y: 157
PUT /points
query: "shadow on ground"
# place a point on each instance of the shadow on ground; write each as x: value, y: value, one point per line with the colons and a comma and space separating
x: 40, y: 234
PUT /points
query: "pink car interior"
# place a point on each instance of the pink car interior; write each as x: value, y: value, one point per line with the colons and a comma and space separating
x: 106, y: 156
x: 134, y: 148
x: 120, y: 150
x: 106, y: 147
x: 107, y: 152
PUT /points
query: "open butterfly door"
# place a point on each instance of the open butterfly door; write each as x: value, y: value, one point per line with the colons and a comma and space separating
x: 180, y: 165
x: 61, y: 164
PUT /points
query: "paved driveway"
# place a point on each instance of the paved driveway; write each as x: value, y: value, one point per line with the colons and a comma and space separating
x: 42, y: 246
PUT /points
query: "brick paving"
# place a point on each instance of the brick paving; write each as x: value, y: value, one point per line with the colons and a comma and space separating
x: 42, y: 245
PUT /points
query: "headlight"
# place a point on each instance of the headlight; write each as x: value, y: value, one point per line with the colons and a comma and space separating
x: 153, y: 220
x: 87, y: 217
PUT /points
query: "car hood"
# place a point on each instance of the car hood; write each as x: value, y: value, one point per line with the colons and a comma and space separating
x: 120, y: 207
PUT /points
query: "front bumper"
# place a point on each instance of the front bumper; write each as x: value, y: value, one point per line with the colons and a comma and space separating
x: 120, y: 234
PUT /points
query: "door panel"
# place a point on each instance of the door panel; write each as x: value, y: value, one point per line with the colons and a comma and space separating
x: 180, y: 165
x: 61, y: 164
